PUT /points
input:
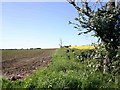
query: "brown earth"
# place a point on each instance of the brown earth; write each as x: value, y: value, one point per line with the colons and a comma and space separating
x: 24, y: 66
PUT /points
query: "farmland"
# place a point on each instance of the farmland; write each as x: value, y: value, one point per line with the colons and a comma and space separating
x: 66, y: 73
x: 24, y: 62
x: 82, y: 47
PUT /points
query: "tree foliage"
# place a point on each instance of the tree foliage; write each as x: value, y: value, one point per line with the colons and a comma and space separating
x: 104, y: 22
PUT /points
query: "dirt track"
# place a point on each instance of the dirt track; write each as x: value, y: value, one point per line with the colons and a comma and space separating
x: 26, y: 65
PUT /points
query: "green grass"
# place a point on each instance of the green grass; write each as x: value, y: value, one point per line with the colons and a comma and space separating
x: 65, y: 74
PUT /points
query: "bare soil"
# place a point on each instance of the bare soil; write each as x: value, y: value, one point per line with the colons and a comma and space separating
x: 25, y: 66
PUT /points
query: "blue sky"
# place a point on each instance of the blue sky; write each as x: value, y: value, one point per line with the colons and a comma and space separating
x: 39, y: 24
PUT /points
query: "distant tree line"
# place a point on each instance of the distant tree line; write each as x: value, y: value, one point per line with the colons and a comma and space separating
x: 22, y: 49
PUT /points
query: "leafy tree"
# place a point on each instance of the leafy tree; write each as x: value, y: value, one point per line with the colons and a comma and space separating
x: 103, y: 21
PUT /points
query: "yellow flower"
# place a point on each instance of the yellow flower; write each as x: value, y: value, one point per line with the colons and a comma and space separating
x: 82, y: 47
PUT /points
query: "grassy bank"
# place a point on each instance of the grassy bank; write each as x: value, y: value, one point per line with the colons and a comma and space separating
x: 66, y: 73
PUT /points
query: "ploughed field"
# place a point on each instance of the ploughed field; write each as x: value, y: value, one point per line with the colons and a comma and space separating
x: 24, y: 62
